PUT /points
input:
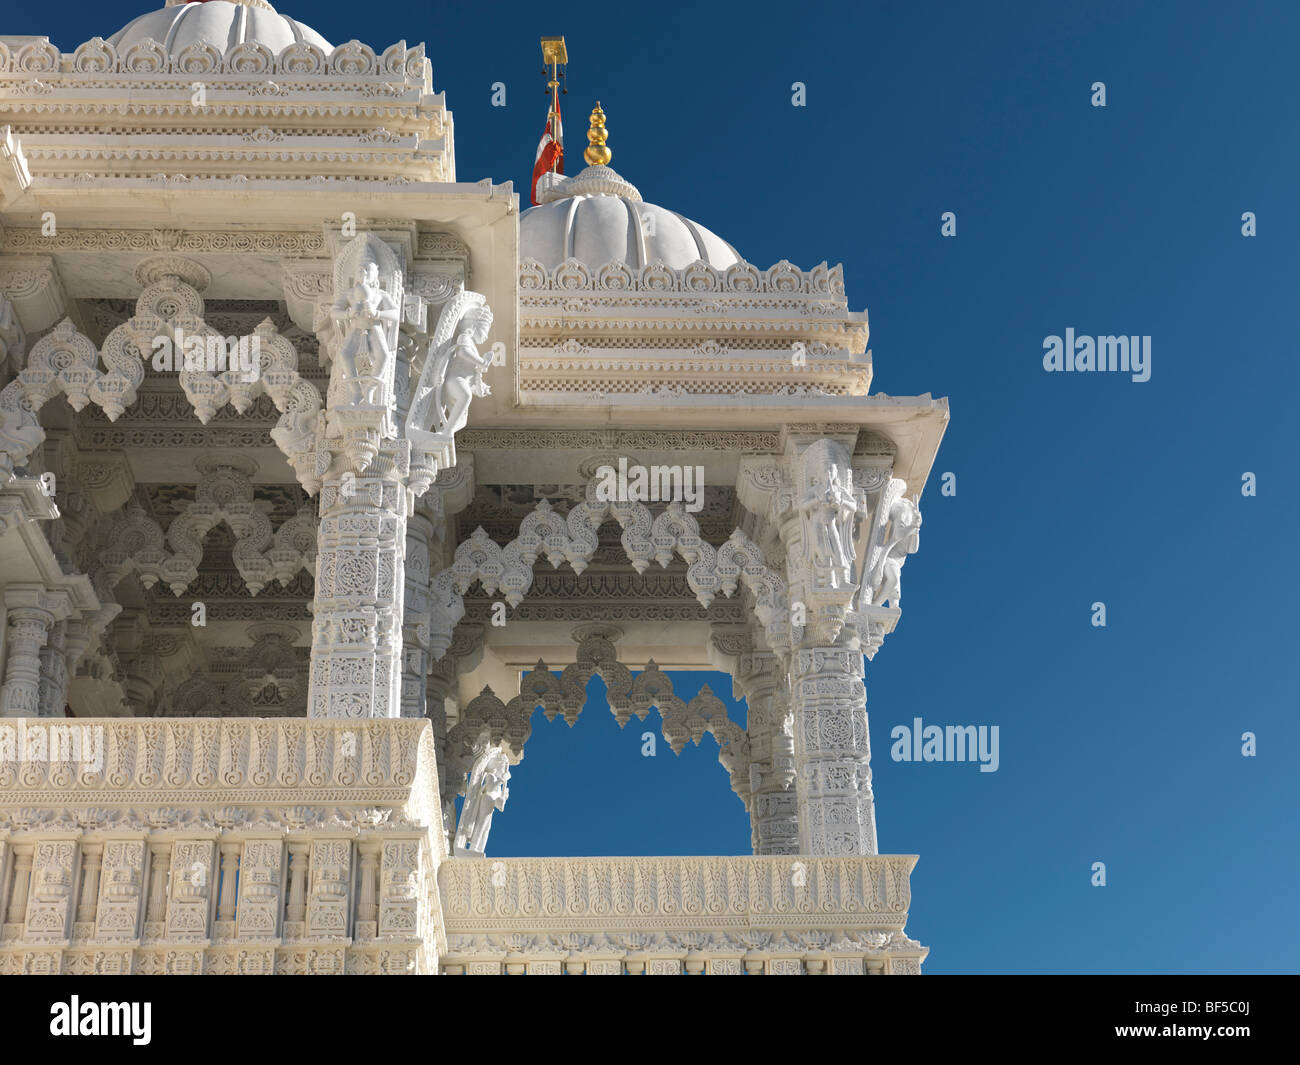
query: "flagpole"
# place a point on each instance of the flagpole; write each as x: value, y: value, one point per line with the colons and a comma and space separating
x: 556, y: 55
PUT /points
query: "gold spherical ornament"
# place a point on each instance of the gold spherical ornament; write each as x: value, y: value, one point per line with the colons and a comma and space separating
x: 597, y: 154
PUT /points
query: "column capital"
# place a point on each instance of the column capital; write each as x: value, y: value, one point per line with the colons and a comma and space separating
x: 36, y: 602
x: 846, y: 527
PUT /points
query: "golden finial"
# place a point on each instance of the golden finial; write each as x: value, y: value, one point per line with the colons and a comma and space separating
x: 597, y: 154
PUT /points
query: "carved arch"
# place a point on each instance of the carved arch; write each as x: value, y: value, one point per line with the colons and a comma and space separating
x: 675, y: 531
x: 486, y: 720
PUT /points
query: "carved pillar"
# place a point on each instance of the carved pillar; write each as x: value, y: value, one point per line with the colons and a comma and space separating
x: 229, y: 871
x: 32, y: 611
x: 367, y: 904
x: 356, y: 655
x: 141, y: 665
x: 415, y: 622
x: 53, y: 687
x: 357, y: 626
x: 442, y: 684
x: 463, y: 655
x: 77, y: 638
x: 375, y: 453
x: 818, y: 512
x: 832, y: 752
x: 21, y: 884
x: 773, y: 808
x: 156, y: 901
x: 91, y: 856
x: 13, y: 341
x: 296, y: 911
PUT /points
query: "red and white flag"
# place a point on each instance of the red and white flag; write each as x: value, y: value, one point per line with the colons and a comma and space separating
x: 550, y: 150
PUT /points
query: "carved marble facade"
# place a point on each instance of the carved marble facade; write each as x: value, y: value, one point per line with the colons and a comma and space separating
x: 292, y: 609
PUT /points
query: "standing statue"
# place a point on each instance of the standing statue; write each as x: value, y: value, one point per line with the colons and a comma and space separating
x: 368, y: 316
x: 904, y: 539
x: 829, y: 508
x: 453, y: 370
x: 486, y: 792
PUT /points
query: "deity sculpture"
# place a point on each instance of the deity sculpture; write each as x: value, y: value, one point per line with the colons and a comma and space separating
x: 829, y: 507
x: 904, y: 539
x: 453, y: 370
x: 368, y: 316
x: 485, y: 793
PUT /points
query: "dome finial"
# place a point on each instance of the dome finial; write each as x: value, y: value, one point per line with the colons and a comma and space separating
x: 597, y: 154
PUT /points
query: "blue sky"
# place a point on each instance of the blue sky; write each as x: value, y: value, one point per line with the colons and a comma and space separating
x: 1120, y: 744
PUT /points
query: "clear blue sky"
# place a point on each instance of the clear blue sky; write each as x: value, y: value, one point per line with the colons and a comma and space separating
x: 1119, y: 744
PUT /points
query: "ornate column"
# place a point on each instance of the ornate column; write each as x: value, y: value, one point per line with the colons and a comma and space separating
x: 155, y: 907
x: 837, y: 813
x: 77, y: 637
x: 296, y: 912
x: 91, y: 856
x: 229, y: 868
x: 773, y: 808
x: 821, y: 514
x: 378, y: 445
x: 357, y: 626
x: 21, y: 884
x: 463, y: 656
x: 54, y: 672
x: 415, y: 622
x: 427, y: 543
x: 810, y: 498
x: 367, y: 897
x: 364, y: 468
x: 32, y: 611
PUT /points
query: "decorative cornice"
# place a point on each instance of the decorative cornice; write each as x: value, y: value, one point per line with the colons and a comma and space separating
x: 504, y: 439
x: 15, y: 240
x: 763, y: 895
x: 654, y: 278
x: 98, y: 63
x: 167, y: 762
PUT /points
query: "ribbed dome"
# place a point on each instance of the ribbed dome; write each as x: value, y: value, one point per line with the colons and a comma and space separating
x: 220, y: 23
x: 596, y: 217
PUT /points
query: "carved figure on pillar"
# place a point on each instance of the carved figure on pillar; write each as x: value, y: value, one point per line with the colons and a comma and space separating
x: 363, y: 369
x: 360, y: 404
x: 820, y: 544
x: 453, y: 370
x: 902, y: 539
x: 827, y: 505
x: 486, y: 793
x: 819, y: 504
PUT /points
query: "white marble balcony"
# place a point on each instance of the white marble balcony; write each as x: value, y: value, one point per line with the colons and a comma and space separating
x: 223, y: 845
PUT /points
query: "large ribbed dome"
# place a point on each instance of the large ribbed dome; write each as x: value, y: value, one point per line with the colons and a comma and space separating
x: 596, y: 217
x: 220, y: 23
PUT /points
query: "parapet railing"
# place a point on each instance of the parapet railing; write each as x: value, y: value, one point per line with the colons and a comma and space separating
x: 611, y: 916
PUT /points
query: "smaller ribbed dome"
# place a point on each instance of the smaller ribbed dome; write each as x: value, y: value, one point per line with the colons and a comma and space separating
x: 597, y: 217
x: 220, y: 23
